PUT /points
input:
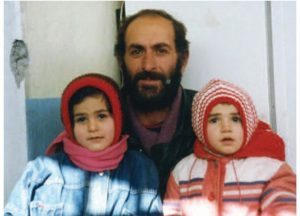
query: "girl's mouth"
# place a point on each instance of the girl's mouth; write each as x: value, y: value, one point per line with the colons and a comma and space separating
x: 95, y: 138
x: 227, y: 140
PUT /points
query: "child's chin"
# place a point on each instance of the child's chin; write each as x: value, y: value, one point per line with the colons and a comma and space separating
x: 96, y: 148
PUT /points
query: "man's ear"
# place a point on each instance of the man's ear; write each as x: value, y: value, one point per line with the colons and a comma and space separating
x: 184, y: 61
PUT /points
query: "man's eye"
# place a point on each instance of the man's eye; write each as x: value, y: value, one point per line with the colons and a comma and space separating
x: 80, y: 119
x: 136, y: 52
x: 161, y: 51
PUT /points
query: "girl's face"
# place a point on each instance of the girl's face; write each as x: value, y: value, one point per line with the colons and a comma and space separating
x: 224, y: 129
x: 94, y: 126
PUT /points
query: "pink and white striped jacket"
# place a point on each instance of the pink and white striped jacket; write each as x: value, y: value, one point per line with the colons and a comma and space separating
x: 255, y: 180
x: 250, y: 186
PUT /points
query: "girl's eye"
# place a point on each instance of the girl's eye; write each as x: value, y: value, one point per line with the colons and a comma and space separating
x: 213, y: 120
x: 236, y: 119
x: 102, y: 116
x: 80, y: 119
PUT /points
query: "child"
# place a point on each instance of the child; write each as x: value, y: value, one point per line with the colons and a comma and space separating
x: 88, y: 171
x: 237, y: 167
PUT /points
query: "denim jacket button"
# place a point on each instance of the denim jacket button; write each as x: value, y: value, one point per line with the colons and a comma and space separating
x: 101, y: 173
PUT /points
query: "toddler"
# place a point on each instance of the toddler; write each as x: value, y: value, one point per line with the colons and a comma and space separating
x: 237, y: 167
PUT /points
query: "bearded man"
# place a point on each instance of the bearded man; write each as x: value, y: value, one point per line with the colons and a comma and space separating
x: 152, y: 51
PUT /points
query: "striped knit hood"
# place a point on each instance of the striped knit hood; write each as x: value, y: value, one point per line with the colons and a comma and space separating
x: 259, y: 140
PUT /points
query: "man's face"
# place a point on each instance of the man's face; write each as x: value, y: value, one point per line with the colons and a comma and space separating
x: 151, y: 63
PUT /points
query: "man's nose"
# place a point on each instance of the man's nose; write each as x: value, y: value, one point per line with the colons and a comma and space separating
x: 149, y: 61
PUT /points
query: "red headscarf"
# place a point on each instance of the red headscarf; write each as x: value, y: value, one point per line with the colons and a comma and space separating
x: 108, y: 158
x: 259, y: 140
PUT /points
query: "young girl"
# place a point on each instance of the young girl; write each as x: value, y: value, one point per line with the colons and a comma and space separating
x: 88, y: 171
x: 237, y: 167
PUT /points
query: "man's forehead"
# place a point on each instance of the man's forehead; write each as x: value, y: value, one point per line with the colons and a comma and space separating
x: 151, y: 29
x: 151, y: 18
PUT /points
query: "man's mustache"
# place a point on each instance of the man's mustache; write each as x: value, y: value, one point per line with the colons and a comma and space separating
x: 149, y: 75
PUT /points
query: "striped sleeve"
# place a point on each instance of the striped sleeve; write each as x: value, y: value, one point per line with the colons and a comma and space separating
x: 171, y: 205
x: 279, y: 195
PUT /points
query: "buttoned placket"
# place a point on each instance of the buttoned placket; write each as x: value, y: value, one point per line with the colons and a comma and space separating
x: 97, y: 195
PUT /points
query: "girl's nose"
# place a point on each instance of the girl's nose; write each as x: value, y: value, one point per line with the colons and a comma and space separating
x: 92, y: 125
x: 226, y: 126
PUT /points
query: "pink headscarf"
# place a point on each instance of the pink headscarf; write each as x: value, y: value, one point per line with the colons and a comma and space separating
x: 98, y: 161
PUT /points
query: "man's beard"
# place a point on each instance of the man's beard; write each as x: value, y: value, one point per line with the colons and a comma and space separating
x: 150, y: 98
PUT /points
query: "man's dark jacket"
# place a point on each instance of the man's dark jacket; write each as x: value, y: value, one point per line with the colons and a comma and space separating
x: 167, y: 155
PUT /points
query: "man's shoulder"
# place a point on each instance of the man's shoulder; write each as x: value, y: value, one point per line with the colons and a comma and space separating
x: 188, y: 95
x: 189, y: 92
x: 186, y: 102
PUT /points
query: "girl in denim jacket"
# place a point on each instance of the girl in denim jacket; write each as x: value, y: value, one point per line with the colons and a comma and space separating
x: 87, y: 170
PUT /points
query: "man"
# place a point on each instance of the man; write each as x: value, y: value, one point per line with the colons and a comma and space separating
x: 153, y: 52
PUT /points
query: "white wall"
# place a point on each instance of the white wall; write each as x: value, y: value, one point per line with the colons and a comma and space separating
x: 232, y: 41
x: 284, y: 47
x: 66, y: 39
x: 15, y: 145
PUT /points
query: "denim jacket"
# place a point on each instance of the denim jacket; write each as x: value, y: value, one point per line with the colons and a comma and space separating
x: 55, y: 186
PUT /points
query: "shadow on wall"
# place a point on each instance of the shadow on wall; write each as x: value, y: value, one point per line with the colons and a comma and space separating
x: 43, y: 124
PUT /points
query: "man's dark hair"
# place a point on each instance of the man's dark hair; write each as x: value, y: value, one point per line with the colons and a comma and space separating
x: 181, y: 43
x: 83, y: 93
